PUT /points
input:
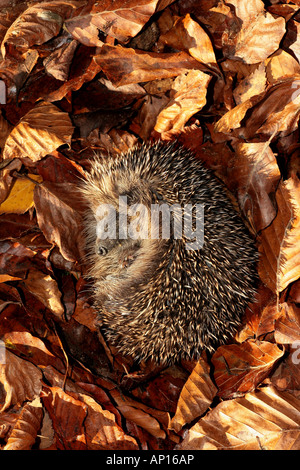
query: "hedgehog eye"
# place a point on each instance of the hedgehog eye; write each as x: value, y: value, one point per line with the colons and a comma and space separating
x: 102, y: 250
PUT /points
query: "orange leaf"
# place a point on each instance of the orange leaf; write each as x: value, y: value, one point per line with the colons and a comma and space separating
x: 239, y: 368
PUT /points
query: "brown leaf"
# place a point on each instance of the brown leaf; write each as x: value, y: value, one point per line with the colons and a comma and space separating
x: 240, y: 368
x: 58, y: 63
x: 188, y: 96
x: 68, y: 415
x: 265, y: 419
x: 25, y: 430
x: 117, y: 18
x: 195, y: 398
x: 46, y: 290
x: 20, y: 198
x: 252, y: 85
x: 259, y: 35
x: 58, y: 212
x: 287, y: 326
x: 278, y: 111
x: 40, y: 131
x: 15, y: 258
x: 257, y: 174
x: 275, y: 111
x: 189, y: 36
x: 280, y: 256
x: 81, y: 423
x: 281, y: 65
x: 101, y: 430
x: 6, y: 178
x: 124, y: 65
x: 20, y: 379
x: 140, y: 414
x: 37, y: 24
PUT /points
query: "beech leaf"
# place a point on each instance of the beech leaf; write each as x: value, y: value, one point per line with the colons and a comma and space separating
x: 117, y: 18
x: 123, y: 66
x: 39, y: 132
x: 188, y: 96
x: 58, y: 212
x: 260, y: 33
x: 25, y: 430
x: 38, y: 24
x: 265, y: 419
x: 195, y: 397
x: 20, y: 379
x: 280, y: 255
x: 239, y: 368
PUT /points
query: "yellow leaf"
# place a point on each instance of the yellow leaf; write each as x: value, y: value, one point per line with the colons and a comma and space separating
x: 20, y: 199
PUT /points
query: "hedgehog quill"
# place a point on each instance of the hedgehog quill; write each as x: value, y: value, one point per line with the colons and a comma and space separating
x: 172, y: 263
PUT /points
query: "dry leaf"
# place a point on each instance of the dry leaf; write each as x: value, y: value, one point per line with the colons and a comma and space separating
x: 252, y: 85
x: 196, y: 396
x: 117, y: 18
x: 58, y: 63
x: 287, y: 326
x: 20, y: 198
x: 257, y: 174
x: 259, y: 35
x: 188, y: 96
x: 58, y: 212
x: 280, y: 66
x: 187, y: 35
x: 265, y: 419
x: 25, y: 430
x: 37, y: 24
x: 40, y: 131
x: 124, y: 65
x: 140, y: 414
x: 46, y: 290
x: 20, y: 379
x: 280, y: 255
x: 239, y: 368
x: 68, y: 415
x: 101, y: 430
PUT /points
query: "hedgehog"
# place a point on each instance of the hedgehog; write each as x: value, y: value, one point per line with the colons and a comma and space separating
x: 172, y: 264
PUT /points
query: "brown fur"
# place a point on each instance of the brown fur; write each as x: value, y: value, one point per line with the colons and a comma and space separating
x: 156, y: 299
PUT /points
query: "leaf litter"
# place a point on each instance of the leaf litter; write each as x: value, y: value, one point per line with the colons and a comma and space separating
x: 222, y: 78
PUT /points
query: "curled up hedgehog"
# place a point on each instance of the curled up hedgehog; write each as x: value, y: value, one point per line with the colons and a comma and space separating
x: 173, y: 265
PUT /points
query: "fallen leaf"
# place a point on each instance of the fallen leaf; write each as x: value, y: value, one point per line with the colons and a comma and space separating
x: 37, y: 24
x: 280, y: 256
x: 140, y: 414
x: 281, y: 65
x: 40, y: 131
x: 257, y: 173
x: 187, y: 35
x: 124, y: 65
x: 287, y: 326
x: 252, y: 85
x: 188, y: 96
x: 58, y: 63
x: 195, y: 398
x: 20, y: 379
x: 45, y: 288
x: 117, y: 18
x: 239, y: 368
x: 58, y: 212
x: 265, y: 419
x: 101, y: 430
x: 25, y: 430
x: 20, y: 198
x: 259, y: 34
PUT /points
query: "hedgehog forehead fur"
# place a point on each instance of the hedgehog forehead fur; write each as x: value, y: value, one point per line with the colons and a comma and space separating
x: 157, y: 299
